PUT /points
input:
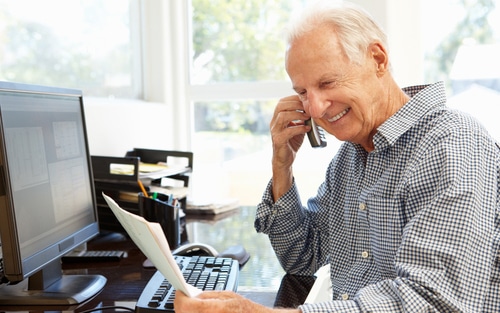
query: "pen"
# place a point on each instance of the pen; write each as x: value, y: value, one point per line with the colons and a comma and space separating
x: 144, y: 192
x: 175, y: 203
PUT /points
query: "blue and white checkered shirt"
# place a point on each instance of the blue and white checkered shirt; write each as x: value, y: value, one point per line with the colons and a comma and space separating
x: 412, y: 226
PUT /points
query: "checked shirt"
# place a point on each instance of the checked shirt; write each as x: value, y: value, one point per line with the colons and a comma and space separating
x: 412, y: 226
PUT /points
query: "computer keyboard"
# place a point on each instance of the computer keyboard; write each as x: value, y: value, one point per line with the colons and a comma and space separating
x: 94, y: 256
x: 203, y: 272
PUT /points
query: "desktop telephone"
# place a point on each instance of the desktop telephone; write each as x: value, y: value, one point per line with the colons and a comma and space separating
x: 191, y: 249
x: 316, y: 135
x: 235, y: 252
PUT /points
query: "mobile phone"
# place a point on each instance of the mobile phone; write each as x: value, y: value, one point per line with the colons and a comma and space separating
x: 316, y: 135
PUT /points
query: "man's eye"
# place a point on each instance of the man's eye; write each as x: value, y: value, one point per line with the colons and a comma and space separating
x: 302, y: 95
x: 327, y: 84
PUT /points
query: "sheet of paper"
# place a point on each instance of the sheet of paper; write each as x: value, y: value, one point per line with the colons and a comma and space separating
x: 149, y: 237
x: 322, y: 288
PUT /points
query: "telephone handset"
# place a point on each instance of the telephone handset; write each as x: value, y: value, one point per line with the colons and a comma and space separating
x: 316, y: 135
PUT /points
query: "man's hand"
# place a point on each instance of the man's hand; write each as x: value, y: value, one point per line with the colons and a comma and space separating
x: 220, y: 302
x: 287, y: 133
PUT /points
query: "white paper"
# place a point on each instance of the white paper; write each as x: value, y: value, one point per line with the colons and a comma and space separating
x: 150, y: 239
x: 321, y: 290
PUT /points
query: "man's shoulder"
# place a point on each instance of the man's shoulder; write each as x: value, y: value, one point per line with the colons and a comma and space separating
x: 455, y: 121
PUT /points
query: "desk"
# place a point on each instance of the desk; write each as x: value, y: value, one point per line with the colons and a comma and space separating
x: 262, y: 271
x: 261, y: 279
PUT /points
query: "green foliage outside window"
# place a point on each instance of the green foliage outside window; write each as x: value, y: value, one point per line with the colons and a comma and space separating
x: 473, y: 28
x: 239, y: 40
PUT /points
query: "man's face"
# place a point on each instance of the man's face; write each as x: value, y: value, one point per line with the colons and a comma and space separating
x: 342, y: 97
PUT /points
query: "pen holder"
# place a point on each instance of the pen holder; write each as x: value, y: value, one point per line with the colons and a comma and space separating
x: 161, y: 211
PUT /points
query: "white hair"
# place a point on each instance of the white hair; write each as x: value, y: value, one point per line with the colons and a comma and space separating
x: 354, y: 27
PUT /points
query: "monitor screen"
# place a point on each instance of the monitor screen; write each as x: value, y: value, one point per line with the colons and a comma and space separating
x: 47, y: 201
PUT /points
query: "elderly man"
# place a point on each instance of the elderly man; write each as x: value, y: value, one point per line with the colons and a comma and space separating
x: 407, y: 214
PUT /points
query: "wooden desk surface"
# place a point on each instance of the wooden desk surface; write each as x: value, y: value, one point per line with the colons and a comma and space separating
x: 260, y: 279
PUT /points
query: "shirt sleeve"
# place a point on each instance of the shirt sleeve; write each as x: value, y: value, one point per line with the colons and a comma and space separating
x: 268, y: 210
x: 288, y: 225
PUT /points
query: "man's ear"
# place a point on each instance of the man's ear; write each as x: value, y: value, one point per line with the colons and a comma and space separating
x: 378, y: 53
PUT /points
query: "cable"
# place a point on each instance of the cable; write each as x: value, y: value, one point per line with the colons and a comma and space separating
x: 109, y: 308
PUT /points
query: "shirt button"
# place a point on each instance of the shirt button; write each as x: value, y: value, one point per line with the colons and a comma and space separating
x: 362, y: 206
x: 364, y: 254
x: 345, y: 296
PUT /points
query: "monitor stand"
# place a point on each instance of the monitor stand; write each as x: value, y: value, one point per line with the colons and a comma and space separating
x: 50, y: 287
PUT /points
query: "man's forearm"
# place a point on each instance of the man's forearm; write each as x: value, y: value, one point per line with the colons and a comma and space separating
x: 282, y: 182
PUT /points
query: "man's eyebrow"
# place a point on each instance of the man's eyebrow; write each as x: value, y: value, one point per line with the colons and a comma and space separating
x: 330, y: 77
x: 321, y: 80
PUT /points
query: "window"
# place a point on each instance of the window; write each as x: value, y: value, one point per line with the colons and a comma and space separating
x: 236, y: 78
x: 70, y: 43
x: 472, y: 26
x: 237, y: 57
x: 463, y: 53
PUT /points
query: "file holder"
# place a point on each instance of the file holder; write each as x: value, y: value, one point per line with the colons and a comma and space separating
x: 122, y: 186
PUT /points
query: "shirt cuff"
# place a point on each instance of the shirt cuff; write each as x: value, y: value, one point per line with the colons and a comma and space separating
x: 268, y: 210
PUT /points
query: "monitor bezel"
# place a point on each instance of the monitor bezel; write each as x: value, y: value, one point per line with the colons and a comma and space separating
x: 17, y: 269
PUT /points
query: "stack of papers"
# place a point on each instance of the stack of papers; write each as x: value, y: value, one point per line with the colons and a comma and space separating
x: 209, y: 207
x: 148, y: 170
x: 160, y: 170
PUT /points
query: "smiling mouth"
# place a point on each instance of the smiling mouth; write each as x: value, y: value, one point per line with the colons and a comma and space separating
x: 338, y: 116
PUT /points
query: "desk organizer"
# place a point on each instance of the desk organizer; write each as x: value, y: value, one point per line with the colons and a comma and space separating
x: 118, y: 178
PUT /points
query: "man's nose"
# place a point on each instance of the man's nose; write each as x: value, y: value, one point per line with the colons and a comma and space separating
x: 315, y: 105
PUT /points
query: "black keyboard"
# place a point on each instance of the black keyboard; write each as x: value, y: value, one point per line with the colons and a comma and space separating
x: 94, y: 256
x: 203, y: 272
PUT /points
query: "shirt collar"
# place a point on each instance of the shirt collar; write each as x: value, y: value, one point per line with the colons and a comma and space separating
x: 424, y: 98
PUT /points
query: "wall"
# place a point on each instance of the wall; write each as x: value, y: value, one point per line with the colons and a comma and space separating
x: 117, y: 126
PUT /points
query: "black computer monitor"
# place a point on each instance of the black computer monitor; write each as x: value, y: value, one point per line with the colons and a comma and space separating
x: 47, y: 200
